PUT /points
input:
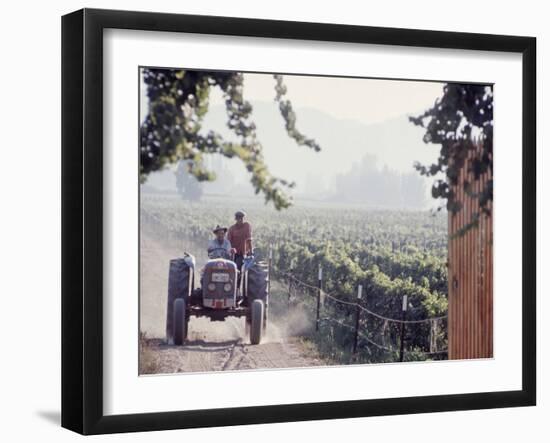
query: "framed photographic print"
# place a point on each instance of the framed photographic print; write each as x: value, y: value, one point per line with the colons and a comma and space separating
x: 269, y: 221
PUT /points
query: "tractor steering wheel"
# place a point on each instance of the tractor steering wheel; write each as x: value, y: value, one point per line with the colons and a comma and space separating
x: 225, y: 254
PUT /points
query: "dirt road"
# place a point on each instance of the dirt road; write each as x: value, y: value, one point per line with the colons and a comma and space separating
x: 222, y: 346
x: 211, y: 346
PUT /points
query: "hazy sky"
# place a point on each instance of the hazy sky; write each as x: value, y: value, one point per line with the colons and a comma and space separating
x: 366, y: 100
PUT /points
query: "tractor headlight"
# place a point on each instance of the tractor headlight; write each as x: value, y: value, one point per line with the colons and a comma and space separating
x: 227, y: 287
x: 211, y: 287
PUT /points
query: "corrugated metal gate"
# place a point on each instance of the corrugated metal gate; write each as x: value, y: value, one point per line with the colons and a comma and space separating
x: 470, y: 326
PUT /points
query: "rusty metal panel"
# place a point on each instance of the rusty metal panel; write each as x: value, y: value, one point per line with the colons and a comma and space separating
x: 470, y: 326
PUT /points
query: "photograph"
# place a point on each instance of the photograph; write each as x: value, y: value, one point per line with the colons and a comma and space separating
x: 267, y: 222
x: 293, y: 221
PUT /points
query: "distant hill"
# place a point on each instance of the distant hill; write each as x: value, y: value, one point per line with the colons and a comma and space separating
x: 395, y: 143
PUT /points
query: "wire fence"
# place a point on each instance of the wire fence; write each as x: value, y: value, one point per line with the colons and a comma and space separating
x: 353, y: 317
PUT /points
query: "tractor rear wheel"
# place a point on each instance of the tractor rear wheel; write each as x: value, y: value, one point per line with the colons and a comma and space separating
x: 181, y: 321
x: 180, y: 282
x: 257, y: 321
x: 257, y: 282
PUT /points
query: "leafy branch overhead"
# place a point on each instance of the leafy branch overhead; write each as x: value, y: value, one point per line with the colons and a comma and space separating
x: 171, y: 131
x: 461, y: 121
x: 285, y: 106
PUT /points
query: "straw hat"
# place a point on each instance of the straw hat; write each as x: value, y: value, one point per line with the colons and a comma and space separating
x: 219, y: 228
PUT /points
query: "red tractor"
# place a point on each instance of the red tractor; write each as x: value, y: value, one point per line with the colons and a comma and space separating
x: 220, y: 296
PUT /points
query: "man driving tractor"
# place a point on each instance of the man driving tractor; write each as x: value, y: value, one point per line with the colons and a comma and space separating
x: 220, y: 247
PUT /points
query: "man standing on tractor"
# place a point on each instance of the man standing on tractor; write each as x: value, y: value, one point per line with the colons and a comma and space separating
x: 220, y: 247
x: 240, y: 237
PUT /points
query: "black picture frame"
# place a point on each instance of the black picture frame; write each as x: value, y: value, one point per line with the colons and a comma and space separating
x: 82, y: 220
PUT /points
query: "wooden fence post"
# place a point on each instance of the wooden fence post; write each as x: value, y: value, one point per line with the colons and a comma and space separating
x: 320, y: 286
x: 432, y: 336
x: 289, y: 286
x: 357, y: 317
x: 403, y: 317
x: 270, y: 259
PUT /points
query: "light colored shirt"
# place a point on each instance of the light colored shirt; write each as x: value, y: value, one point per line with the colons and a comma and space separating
x: 239, y: 236
x: 219, y: 250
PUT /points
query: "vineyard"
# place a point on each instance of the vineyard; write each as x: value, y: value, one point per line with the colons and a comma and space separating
x: 390, y: 254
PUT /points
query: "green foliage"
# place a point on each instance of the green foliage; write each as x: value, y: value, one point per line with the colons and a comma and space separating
x: 285, y: 107
x: 458, y: 121
x: 171, y: 131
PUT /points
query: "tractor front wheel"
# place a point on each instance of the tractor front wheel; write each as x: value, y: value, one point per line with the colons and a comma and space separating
x: 180, y: 321
x: 257, y: 321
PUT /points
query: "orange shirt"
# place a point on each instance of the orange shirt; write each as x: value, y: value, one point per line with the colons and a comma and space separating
x: 238, y: 236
